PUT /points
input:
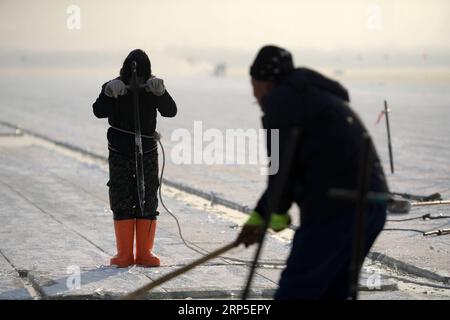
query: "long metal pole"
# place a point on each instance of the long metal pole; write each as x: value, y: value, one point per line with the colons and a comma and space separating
x: 138, y: 139
x: 248, y: 284
x: 135, y: 294
x: 391, y: 157
x: 359, y: 237
x: 430, y: 203
x: 275, y: 195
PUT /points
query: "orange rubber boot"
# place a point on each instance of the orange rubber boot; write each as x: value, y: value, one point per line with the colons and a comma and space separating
x: 145, y: 236
x: 124, y: 230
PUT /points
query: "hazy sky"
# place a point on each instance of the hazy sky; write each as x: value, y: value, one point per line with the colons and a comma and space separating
x: 361, y: 25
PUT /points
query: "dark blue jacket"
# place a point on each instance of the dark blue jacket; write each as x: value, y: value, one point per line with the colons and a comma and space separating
x: 331, y: 139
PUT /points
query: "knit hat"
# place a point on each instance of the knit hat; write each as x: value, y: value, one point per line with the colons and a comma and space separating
x: 271, y: 64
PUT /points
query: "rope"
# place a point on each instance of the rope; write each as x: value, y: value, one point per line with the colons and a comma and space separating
x: 409, y: 230
x: 156, y: 136
x: 424, y: 217
x: 203, y: 252
x: 247, y: 262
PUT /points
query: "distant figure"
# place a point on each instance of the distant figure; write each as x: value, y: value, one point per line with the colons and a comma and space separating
x: 220, y: 70
x: 116, y: 103
x: 328, y: 157
x: 338, y: 72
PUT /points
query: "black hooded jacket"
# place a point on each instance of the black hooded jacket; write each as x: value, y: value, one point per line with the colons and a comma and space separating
x: 120, y: 111
x: 331, y: 139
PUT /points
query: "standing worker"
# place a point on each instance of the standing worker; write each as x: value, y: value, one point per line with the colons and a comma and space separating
x: 116, y: 103
x: 327, y: 158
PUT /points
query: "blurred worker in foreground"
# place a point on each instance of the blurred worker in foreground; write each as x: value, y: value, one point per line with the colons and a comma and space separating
x: 327, y: 158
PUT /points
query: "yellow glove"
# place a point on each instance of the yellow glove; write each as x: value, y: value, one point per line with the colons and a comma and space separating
x: 277, y: 221
x: 253, y: 228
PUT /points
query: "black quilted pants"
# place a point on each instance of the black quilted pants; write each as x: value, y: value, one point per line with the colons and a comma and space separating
x: 123, y: 196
